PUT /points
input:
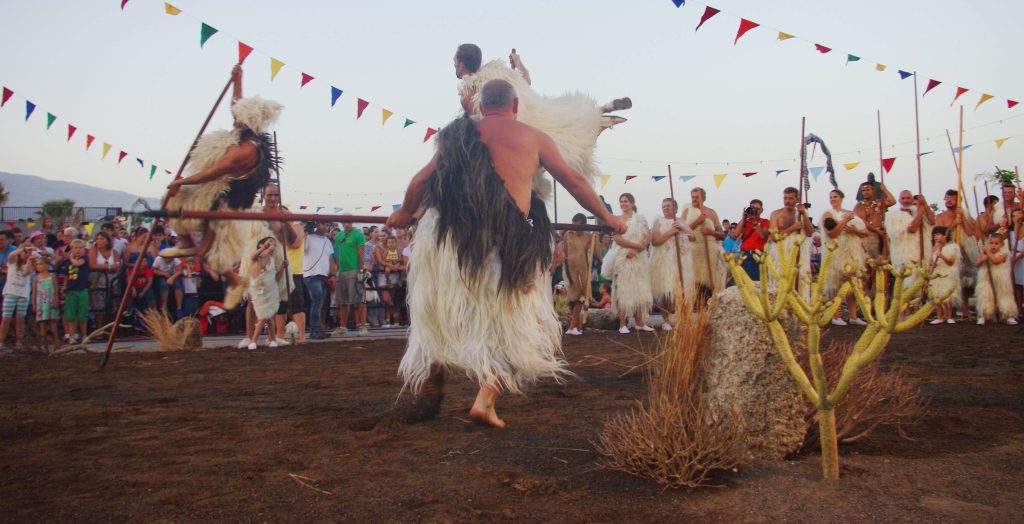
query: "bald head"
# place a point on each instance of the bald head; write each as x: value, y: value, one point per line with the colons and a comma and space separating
x: 497, y: 94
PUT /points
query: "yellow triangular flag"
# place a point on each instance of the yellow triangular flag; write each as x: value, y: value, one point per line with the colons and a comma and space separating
x: 604, y: 180
x: 851, y: 165
x: 784, y: 36
x: 89, y: 226
x: 999, y: 142
x: 719, y: 178
x: 275, y: 67
x: 106, y: 149
x: 170, y: 9
x: 879, y: 67
x: 385, y: 116
x: 984, y: 98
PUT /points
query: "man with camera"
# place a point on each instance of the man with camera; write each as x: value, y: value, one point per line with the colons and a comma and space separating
x: 752, y: 233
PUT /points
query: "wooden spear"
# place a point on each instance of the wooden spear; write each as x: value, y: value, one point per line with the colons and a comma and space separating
x: 920, y: 191
x: 675, y: 240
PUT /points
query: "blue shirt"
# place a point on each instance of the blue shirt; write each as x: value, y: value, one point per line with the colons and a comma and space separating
x: 730, y: 245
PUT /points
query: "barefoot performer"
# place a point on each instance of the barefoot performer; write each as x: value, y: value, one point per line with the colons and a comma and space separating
x: 479, y: 295
x: 227, y: 169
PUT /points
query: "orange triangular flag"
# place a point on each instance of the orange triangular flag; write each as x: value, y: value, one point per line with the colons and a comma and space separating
x: 985, y: 97
x: 275, y: 67
x: 784, y: 36
x: 879, y: 67
x: 171, y: 10
x: 385, y: 115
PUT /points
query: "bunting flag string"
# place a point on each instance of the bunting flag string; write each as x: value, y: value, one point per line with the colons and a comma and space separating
x: 306, y: 78
x: 50, y: 119
x: 630, y: 177
x: 779, y: 172
x: 850, y: 166
x: 719, y: 178
x: 384, y: 116
x: 959, y: 91
x: 71, y: 131
x: 604, y: 180
x: 430, y: 133
x: 1000, y: 141
x: 7, y: 96
x: 205, y: 32
x: 335, y: 94
x: 746, y: 25
x: 360, y: 107
x: 887, y: 163
x: 657, y: 178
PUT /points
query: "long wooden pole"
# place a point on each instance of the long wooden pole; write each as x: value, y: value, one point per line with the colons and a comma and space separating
x: 878, y: 113
x: 803, y: 148
x: 920, y: 191
x: 675, y: 239
x: 149, y: 235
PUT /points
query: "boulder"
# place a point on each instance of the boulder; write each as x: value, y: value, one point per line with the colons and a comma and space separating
x: 602, y: 319
x: 747, y: 379
x: 189, y: 332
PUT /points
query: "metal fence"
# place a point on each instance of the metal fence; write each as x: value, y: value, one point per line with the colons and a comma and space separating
x: 24, y: 214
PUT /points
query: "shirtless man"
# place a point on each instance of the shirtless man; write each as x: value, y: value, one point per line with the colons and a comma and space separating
x: 872, y: 210
x: 954, y: 217
x: 476, y: 303
x: 793, y: 227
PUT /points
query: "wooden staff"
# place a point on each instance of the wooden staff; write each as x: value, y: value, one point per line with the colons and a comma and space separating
x: 803, y: 150
x: 917, y: 139
x: 878, y: 113
x: 589, y: 292
x: 679, y: 253
x: 149, y: 234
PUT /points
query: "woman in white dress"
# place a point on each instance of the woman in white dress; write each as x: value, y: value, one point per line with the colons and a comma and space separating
x: 630, y: 268
x: 669, y: 230
x: 944, y: 263
x: 263, y: 290
x: 847, y: 231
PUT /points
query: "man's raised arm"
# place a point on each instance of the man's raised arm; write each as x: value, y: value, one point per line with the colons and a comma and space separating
x: 413, y: 195
x: 575, y: 184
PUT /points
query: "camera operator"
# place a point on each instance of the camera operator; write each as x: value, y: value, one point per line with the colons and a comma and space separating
x: 752, y: 233
x: 317, y: 265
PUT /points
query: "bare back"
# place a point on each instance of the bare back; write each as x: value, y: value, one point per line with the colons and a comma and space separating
x: 516, y: 150
x: 783, y: 218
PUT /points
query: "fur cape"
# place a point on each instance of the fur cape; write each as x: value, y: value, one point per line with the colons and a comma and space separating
x: 572, y: 120
x: 631, y: 284
x: 850, y: 256
x: 990, y: 301
x: 479, y: 293
x: 699, y: 259
x: 664, y: 270
x: 256, y: 113
x: 905, y: 247
x: 947, y: 276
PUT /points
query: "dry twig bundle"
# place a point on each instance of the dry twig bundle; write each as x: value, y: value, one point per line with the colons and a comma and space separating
x: 183, y: 335
x: 671, y: 436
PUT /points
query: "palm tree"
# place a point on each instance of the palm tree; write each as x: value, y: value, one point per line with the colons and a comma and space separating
x: 58, y: 210
x: 4, y: 195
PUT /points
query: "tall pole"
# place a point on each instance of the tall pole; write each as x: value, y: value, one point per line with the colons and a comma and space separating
x: 803, y: 148
x: 554, y: 195
x: 149, y: 235
x: 917, y: 139
x: 960, y: 170
x: 878, y: 113
x: 675, y: 239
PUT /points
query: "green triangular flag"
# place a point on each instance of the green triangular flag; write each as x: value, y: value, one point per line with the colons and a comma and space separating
x: 852, y: 58
x: 205, y: 33
x: 408, y: 123
x: 152, y: 171
x: 50, y: 119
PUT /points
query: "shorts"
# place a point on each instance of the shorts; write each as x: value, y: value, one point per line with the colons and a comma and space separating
x: 15, y: 306
x: 350, y: 288
x: 297, y: 298
x: 76, y: 305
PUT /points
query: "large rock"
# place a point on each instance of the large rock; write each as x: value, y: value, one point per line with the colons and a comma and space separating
x: 602, y: 319
x: 746, y: 378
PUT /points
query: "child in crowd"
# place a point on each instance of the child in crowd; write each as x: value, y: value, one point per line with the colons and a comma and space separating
x: 184, y: 280
x: 945, y: 267
x: 16, y: 293
x: 76, y: 293
x: 994, y: 288
x: 605, y: 300
x: 263, y: 291
x: 142, y: 292
x: 44, y: 298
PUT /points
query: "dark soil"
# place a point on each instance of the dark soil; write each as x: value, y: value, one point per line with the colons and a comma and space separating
x: 293, y: 435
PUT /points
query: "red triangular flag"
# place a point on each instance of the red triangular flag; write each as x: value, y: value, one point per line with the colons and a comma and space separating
x: 71, y: 131
x: 887, y: 163
x: 630, y: 177
x: 10, y: 225
x: 88, y: 141
x: 361, y: 106
x: 708, y: 13
x: 374, y: 208
x: 959, y: 91
x: 123, y: 2
x: 1011, y: 103
x: 822, y: 49
x: 745, y: 25
x: 750, y: 174
x: 7, y: 96
x: 306, y: 79
x: 430, y: 133
x: 243, y: 52
x: 932, y: 84
x: 121, y: 156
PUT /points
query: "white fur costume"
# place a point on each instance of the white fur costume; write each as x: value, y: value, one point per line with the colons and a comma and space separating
x: 947, y: 276
x: 631, y: 281
x: 664, y: 269
x: 1001, y: 298
x: 572, y: 120
x: 699, y: 257
x: 505, y: 339
x: 264, y: 292
x: 788, y: 243
x: 850, y: 256
x: 905, y: 247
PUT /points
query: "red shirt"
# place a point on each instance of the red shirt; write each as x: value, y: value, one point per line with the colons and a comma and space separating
x: 751, y: 240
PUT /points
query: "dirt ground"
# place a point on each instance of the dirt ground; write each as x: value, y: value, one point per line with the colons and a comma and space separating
x: 282, y: 435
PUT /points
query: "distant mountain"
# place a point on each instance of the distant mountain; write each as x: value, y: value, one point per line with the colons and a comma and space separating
x: 29, y: 190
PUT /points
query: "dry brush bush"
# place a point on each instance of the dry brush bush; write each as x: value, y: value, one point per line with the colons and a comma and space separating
x: 877, y: 397
x: 183, y: 335
x: 671, y: 436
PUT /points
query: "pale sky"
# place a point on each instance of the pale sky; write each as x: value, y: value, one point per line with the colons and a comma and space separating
x: 138, y: 79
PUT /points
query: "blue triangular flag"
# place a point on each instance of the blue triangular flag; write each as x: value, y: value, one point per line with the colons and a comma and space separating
x: 338, y: 209
x: 927, y: 153
x: 816, y: 171
x: 657, y: 178
x: 679, y: 3
x: 957, y: 149
x: 685, y: 178
x: 29, y: 107
x: 141, y: 163
x: 394, y: 207
x: 335, y: 94
x: 780, y: 171
x: 318, y: 209
x: 905, y: 74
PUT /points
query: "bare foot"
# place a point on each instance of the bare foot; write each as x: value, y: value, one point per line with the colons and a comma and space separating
x: 485, y: 416
x: 427, y: 404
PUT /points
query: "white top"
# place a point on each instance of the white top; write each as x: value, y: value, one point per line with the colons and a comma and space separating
x: 316, y: 259
x: 18, y: 284
x: 165, y: 264
x: 188, y: 279
x: 1018, y: 268
x: 100, y: 259
x: 120, y: 244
